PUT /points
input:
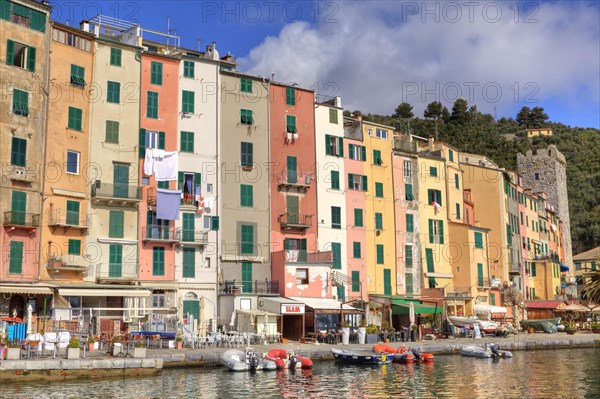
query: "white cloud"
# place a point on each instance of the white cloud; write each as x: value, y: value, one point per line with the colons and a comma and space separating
x: 374, y: 57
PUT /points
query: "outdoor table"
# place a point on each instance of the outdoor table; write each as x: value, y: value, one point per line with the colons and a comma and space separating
x: 56, y: 349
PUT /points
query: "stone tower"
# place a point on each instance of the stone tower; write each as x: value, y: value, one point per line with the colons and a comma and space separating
x: 546, y: 171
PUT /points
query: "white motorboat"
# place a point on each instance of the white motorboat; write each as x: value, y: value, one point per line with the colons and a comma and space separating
x: 238, y: 360
x: 486, y: 351
x: 484, y: 325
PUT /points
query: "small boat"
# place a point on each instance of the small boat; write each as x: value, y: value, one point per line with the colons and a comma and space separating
x: 484, y: 325
x: 288, y: 360
x: 484, y: 351
x: 345, y: 356
x: 403, y: 354
x: 545, y: 325
x: 237, y: 360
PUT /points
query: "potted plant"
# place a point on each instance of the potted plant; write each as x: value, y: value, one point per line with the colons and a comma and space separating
x: 345, y: 333
x: 570, y: 327
x: 73, y: 349
x: 596, y: 327
x: 179, y: 342
x: 116, y: 345
x: 362, y: 331
x: 372, y: 334
x: 14, y: 351
x: 91, y: 342
x: 139, y: 350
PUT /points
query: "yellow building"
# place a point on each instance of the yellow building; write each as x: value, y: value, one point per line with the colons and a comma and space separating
x: 379, y: 210
x: 539, y: 131
x: 64, y: 218
x: 586, y: 262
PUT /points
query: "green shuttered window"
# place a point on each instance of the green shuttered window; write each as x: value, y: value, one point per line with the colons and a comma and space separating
x: 336, y: 217
x: 188, y: 69
x: 378, y: 221
x: 380, y: 258
x: 116, y: 224
x: 336, y: 253
x: 358, y: 217
x: 187, y: 100
x: 189, y: 263
x: 115, y: 56
x: 156, y: 73
x: 16, y: 257
x: 246, y: 117
x: 115, y: 260
x: 74, y: 247
x: 75, y: 116
x: 246, y: 195
x: 77, y: 75
x: 113, y: 92
x: 387, y: 282
x: 333, y: 115
x: 408, y: 189
x: 246, y: 154
x: 18, y: 152
x: 20, y: 105
x: 246, y: 85
x: 158, y: 261
x: 478, y: 240
x: 429, y: 260
x: 408, y: 256
x: 20, y: 55
x: 335, y: 180
x: 152, y: 105
x: 410, y: 224
x: 379, y: 190
x: 247, y: 244
x: 480, y: 275
x: 290, y: 96
x: 72, y: 217
x: 290, y: 123
x: 112, y: 132
x: 356, y: 250
x: 355, y: 281
x: 186, y: 142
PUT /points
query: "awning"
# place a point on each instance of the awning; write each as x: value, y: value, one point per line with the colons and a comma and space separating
x: 564, y: 268
x: 542, y: 304
x: 37, y: 288
x: 280, y: 305
x: 403, y: 307
x: 324, y: 304
x: 103, y: 292
x: 488, y: 309
x: 161, y: 286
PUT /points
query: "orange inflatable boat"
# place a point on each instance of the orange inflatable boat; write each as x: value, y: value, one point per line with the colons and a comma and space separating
x: 289, y: 360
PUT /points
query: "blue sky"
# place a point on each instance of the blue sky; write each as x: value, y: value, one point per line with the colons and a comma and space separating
x: 376, y: 54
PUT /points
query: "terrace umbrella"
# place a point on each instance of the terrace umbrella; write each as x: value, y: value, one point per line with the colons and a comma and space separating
x: 574, y: 307
x: 411, y: 313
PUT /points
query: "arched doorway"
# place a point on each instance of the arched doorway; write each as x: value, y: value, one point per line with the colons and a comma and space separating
x: 16, y: 307
x: 191, y: 306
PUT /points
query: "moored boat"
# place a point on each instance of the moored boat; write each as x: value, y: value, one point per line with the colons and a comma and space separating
x: 484, y: 325
x: 237, y: 360
x: 403, y: 354
x: 345, y: 356
x: 486, y: 351
x: 546, y: 325
x: 289, y: 360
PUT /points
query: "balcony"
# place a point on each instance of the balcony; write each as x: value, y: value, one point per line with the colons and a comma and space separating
x: 158, y: 233
x: 191, y: 237
x: 515, y: 269
x: 234, y: 287
x: 21, y: 220
x: 67, y: 220
x: 115, y: 194
x: 292, y: 220
x: 288, y: 181
x: 71, y: 263
x: 21, y: 173
x: 401, y: 144
x: 303, y: 256
x: 123, y: 273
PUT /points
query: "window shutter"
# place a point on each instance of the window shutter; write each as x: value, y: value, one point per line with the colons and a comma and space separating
x: 327, y: 150
x: 365, y: 183
x: 429, y: 197
x: 180, y: 179
x: 430, y: 231
x: 441, y: 231
x: 439, y: 194
x: 214, y: 225
x: 10, y: 51
x: 142, y: 143
x: 161, y: 140
x: 31, y: 59
x: 340, y: 147
x: 363, y: 150
x: 16, y: 257
x: 197, y: 181
x: 286, y: 244
x: 351, y: 151
x: 350, y: 181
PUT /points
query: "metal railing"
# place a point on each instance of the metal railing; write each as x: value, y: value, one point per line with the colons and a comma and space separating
x: 404, y: 145
x: 234, y: 287
x: 295, y: 179
x: 158, y: 233
x: 191, y: 236
x: 303, y: 256
x: 15, y: 218
x: 123, y: 271
x: 120, y: 191
x: 60, y: 217
x: 293, y: 219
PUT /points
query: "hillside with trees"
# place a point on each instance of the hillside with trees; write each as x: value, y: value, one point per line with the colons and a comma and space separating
x: 469, y: 130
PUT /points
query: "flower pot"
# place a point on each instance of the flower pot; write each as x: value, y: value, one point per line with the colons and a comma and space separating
x: 13, y: 353
x: 571, y: 331
x: 179, y: 344
x: 530, y: 330
x: 91, y: 346
x: 362, y: 335
x: 346, y: 335
x: 283, y: 340
x: 72, y: 353
x: 139, y: 353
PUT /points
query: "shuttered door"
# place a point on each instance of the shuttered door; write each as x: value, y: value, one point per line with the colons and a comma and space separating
x: 18, y: 208
x: 121, y: 180
x: 246, y: 277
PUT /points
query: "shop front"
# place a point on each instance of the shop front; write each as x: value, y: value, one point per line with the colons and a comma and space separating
x: 24, y: 305
x: 323, y: 314
x: 290, y: 315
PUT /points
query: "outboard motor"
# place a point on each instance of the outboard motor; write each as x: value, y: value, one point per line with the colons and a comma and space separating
x: 293, y: 361
x: 254, y: 361
x: 416, y: 354
x: 494, y: 349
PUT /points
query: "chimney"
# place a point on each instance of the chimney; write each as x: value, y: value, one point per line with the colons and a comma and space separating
x: 359, y: 117
x: 430, y: 143
x: 337, y: 102
x: 84, y: 25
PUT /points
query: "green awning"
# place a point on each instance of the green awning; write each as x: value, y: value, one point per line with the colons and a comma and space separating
x: 403, y: 307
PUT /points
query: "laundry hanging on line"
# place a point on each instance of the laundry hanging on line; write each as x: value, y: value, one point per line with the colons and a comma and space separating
x: 167, y: 204
x: 162, y: 164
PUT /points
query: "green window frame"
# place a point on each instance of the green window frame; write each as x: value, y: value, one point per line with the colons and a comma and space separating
x: 186, y: 142
x: 72, y: 213
x: 333, y: 115
x: 247, y: 154
x: 163, y: 184
x: 458, y: 211
x: 18, y: 152
x: 433, y: 171
x: 387, y: 282
x: 18, y: 207
x: 380, y: 257
x: 245, y: 85
x: 115, y: 56
x: 20, y: 104
x: 378, y: 221
x: 187, y: 101
x: 408, y: 256
x: 292, y: 169
x: 358, y: 217
x: 480, y: 275
x: 335, y: 180
x: 115, y: 260
x: 77, y: 75
x: 246, y: 117
x: 152, y: 104
x: 336, y: 217
x: 378, y: 190
x: 116, y: 224
x: 408, y: 190
x: 188, y: 230
x: 478, y: 240
x: 377, y: 157
x: 336, y: 255
x: 215, y: 222
x: 451, y: 155
x: 189, y: 263
x: 156, y: 73
x: 429, y: 260
x: 290, y: 96
x: 74, y: 247
x: 356, y: 250
x: 290, y: 123
x: 29, y: 63
x: 247, y: 278
x: 434, y: 196
x: 246, y: 195
x: 456, y: 181
x: 188, y: 69
x: 247, y: 241
x: 113, y: 90
x: 158, y: 261
x: 410, y: 223
x: 16, y: 257
x: 75, y: 117
x: 112, y: 132
x: 408, y: 281
x: 533, y: 269
x: 355, y: 281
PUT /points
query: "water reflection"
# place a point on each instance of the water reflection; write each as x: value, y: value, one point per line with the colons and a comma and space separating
x: 537, y: 374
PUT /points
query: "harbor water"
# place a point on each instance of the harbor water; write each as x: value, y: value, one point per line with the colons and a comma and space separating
x: 544, y: 374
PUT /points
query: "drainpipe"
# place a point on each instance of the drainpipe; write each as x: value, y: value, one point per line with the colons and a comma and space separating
x: 138, y: 58
x: 217, y: 196
x: 45, y: 93
x: 268, y: 83
x: 487, y: 260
